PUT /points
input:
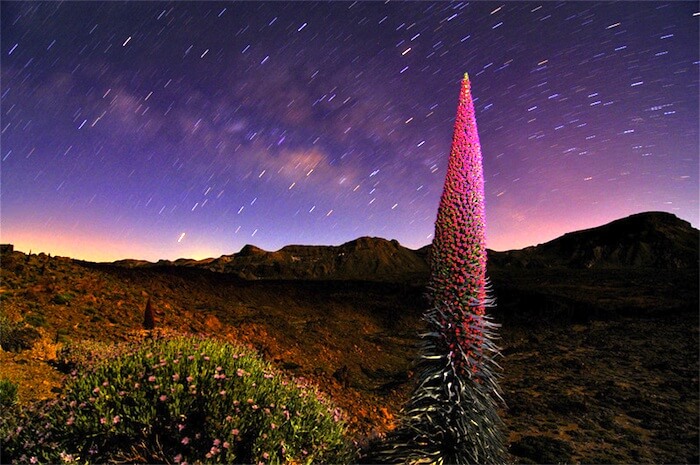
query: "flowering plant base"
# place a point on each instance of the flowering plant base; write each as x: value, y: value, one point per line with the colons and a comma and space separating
x: 180, y: 400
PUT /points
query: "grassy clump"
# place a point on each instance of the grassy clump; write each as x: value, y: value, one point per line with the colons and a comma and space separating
x: 16, y: 336
x: 35, y: 319
x: 8, y: 393
x: 62, y: 299
x: 181, y: 400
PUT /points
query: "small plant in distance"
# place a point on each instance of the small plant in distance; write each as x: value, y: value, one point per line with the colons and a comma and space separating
x: 149, y: 321
x: 182, y: 400
x: 452, y: 417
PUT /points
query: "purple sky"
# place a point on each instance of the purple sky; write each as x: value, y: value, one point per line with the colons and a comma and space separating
x: 188, y: 129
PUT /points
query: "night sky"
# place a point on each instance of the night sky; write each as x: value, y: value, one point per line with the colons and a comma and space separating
x: 188, y: 129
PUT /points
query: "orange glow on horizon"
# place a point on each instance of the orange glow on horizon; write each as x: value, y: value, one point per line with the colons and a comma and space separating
x: 511, y: 230
x: 97, y: 248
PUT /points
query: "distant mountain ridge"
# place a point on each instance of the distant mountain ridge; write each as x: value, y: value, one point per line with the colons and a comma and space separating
x: 644, y: 240
x: 363, y: 259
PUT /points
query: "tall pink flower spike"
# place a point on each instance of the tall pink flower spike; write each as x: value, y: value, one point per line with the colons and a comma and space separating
x: 451, y: 416
x: 458, y: 262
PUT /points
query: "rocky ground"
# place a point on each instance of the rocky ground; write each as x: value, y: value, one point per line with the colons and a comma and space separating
x: 609, y: 391
x: 616, y: 387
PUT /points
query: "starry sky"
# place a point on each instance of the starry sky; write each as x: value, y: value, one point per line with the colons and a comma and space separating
x: 188, y: 129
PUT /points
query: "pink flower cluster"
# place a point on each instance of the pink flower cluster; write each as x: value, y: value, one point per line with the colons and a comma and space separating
x: 458, y: 263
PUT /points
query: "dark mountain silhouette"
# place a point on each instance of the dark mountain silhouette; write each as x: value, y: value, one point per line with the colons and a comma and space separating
x: 644, y: 240
x: 644, y: 264
x: 364, y: 259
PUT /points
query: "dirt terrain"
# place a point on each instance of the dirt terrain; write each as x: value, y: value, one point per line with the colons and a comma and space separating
x: 601, y: 389
x: 600, y: 356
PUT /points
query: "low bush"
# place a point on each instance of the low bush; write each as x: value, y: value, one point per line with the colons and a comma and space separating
x: 181, y: 400
x: 62, y: 336
x: 83, y: 356
x: 8, y: 393
x: 35, y: 319
x: 62, y: 299
x: 15, y: 337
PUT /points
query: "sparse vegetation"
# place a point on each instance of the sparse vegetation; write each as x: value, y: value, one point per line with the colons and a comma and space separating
x: 35, y: 319
x: 8, y: 393
x: 62, y: 299
x: 16, y: 336
x: 84, y: 355
x: 61, y: 336
x: 180, y: 400
x: 635, y: 375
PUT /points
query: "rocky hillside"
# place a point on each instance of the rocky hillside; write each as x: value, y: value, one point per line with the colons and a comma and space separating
x: 629, y: 266
x: 645, y: 240
x: 364, y: 259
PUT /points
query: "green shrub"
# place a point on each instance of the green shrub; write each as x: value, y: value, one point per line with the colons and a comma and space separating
x: 15, y: 337
x: 8, y: 393
x: 183, y: 400
x: 62, y: 299
x: 35, y: 319
x: 94, y: 314
x: 62, y: 336
x: 84, y: 355
x: 8, y: 414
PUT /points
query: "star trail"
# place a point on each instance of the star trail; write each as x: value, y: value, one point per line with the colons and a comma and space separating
x: 189, y: 129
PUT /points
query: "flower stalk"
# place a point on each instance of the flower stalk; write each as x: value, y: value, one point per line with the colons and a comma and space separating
x: 452, y: 417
